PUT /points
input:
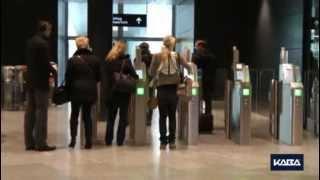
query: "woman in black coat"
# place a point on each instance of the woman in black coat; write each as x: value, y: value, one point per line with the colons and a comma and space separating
x: 115, y: 61
x: 82, y: 75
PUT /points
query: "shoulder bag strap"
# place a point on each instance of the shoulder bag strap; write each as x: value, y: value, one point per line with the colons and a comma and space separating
x: 122, y: 65
x: 179, y: 67
x: 159, y: 68
x: 79, y: 57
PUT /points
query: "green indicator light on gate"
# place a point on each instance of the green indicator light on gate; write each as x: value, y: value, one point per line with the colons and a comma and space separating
x: 246, y: 92
x: 298, y: 92
x: 140, y: 91
x: 194, y: 91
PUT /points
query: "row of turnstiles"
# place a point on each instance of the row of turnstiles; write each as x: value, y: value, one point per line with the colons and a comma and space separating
x: 286, y: 107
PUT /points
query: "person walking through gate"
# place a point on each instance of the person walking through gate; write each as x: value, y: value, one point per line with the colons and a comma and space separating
x: 116, y: 62
x: 165, y: 70
x: 204, y: 60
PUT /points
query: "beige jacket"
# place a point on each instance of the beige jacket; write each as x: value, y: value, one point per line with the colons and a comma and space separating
x: 157, y: 65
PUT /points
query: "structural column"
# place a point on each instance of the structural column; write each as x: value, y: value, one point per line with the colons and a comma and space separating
x: 100, y: 34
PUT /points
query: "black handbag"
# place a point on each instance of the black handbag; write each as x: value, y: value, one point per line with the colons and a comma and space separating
x: 122, y: 82
x: 60, y: 95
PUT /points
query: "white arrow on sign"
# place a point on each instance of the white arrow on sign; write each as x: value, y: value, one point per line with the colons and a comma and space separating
x: 139, y: 20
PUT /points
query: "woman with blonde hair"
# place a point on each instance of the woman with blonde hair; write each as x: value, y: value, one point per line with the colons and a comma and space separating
x: 165, y: 68
x: 116, y: 62
x: 82, y: 75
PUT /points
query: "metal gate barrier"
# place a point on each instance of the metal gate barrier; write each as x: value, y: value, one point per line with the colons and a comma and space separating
x: 286, y: 107
x: 188, y: 109
x: 313, y: 121
x: 138, y: 104
x: 238, y: 102
x: 13, y: 87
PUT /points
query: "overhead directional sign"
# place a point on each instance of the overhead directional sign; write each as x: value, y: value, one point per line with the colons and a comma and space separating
x: 134, y: 20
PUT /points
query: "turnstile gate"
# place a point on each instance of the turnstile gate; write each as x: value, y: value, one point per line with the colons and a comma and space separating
x: 313, y: 121
x: 286, y: 106
x: 13, y: 87
x: 188, y: 110
x: 273, y: 115
x: 138, y: 104
x: 238, y: 103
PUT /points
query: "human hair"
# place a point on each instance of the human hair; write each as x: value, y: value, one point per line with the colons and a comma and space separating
x: 43, y: 26
x: 169, y: 43
x: 82, y: 42
x: 201, y: 43
x: 144, y: 45
x: 118, y: 49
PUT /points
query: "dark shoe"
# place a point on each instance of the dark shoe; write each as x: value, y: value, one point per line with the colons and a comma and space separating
x: 108, y: 143
x: 172, y: 146
x: 120, y: 143
x: 164, y: 140
x: 72, y: 144
x: 163, y: 146
x: 148, y: 122
x: 31, y: 148
x: 88, y: 146
x: 46, y: 148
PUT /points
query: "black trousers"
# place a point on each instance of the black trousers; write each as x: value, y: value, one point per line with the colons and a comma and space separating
x: 150, y: 111
x: 207, y: 101
x: 168, y: 99
x: 36, y: 118
x: 119, y: 101
x: 86, y: 116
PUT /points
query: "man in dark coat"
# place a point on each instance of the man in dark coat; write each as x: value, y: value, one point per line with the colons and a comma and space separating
x: 204, y: 60
x: 38, y: 72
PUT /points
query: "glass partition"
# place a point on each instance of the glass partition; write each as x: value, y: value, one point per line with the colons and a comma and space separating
x: 154, y: 47
x: 157, y: 26
x: 77, y: 18
x: 62, y: 38
x: 77, y: 22
x: 72, y: 47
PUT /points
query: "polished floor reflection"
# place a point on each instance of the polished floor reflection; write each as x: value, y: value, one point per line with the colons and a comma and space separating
x: 214, y: 157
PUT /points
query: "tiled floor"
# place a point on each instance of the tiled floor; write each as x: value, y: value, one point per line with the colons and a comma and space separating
x: 214, y: 157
